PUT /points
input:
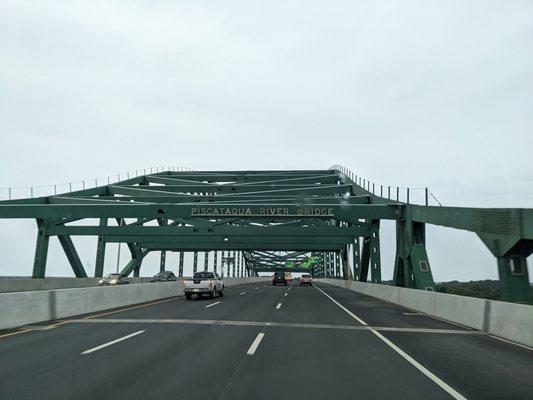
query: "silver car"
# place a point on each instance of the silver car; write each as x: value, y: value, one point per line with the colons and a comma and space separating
x: 114, y: 279
x: 204, y: 283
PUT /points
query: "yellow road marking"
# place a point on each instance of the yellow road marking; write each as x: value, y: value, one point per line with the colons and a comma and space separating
x: 131, y: 308
x: 91, y: 316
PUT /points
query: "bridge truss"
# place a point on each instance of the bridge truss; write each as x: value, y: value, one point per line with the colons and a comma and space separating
x: 259, y: 220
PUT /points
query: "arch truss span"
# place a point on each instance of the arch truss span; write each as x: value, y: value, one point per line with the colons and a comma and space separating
x: 322, y: 221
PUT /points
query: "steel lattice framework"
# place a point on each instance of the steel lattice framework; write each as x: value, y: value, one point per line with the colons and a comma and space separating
x: 262, y: 219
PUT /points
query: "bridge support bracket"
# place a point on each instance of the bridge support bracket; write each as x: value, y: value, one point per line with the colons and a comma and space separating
x: 41, y: 250
x: 411, y: 267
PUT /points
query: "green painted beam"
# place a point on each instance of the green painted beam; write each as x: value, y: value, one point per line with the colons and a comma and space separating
x: 349, y: 213
x: 100, y: 252
x: 222, y: 230
x: 240, y: 246
x: 258, y: 241
x: 135, y: 263
x: 41, y: 250
x: 72, y: 255
x: 516, y: 222
x: 232, y: 189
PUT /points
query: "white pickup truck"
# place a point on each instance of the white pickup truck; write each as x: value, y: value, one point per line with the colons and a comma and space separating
x: 203, y: 283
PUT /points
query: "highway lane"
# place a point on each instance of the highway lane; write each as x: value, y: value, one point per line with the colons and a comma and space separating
x: 190, y: 350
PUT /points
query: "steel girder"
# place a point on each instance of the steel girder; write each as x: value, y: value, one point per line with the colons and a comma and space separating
x: 262, y: 213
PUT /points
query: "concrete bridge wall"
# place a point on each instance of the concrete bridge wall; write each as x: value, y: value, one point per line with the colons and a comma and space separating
x: 506, y: 320
x: 30, y: 307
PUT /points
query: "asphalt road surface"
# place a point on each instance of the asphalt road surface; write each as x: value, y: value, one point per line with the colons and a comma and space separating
x: 262, y: 342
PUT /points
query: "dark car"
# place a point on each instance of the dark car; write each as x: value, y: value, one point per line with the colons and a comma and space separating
x: 164, y: 276
x: 279, y: 277
x: 114, y: 279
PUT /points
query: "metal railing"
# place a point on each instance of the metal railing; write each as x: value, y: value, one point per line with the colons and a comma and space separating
x: 21, y: 192
x: 409, y: 195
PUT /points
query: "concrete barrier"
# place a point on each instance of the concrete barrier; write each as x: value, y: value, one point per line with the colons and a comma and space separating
x: 23, y: 308
x: 507, y: 320
x: 29, y: 284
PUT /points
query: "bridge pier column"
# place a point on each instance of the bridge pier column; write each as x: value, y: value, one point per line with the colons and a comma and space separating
x: 206, y: 260
x: 375, y: 253
x: 411, y: 267
x: 511, y: 253
x: 41, y: 250
x: 195, y: 262
x: 215, y: 260
x: 365, y: 259
x: 337, y: 264
x: 162, y: 261
x: 180, y: 267
x: 346, y: 271
x: 100, y: 252
x: 356, y: 254
x: 137, y: 257
x: 514, y: 279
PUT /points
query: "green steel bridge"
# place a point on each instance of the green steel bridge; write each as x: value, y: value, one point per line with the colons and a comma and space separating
x: 326, y: 222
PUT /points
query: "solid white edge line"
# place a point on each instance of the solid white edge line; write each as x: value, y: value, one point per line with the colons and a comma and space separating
x: 278, y: 306
x: 212, y: 304
x: 451, y: 391
x: 447, y: 388
x: 508, y: 341
x: 255, y: 344
x: 112, y: 342
x: 341, y: 306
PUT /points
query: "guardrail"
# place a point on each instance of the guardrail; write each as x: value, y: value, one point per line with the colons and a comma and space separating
x: 506, y: 320
x: 409, y: 195
x: 11, y: 193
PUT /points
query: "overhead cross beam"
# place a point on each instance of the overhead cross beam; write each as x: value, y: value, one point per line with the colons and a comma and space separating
x: 273, y: 217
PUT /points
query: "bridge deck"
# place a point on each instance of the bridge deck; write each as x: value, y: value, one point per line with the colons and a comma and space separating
x: 312, y: 348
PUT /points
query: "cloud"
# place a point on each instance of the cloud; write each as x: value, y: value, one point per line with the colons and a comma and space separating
x: 405, y: 93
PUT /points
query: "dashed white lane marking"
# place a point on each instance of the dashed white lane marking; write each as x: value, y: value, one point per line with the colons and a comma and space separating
x: 255, y: 344
x: 212, y: 304
x: 451, y: 391
x: 278, y: 306
x: 112, y: 342
x: 242, y: 293
x: 285, y: 294
x: 257, y: 287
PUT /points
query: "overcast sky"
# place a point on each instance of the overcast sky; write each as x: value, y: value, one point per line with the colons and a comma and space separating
x: 409, y: 93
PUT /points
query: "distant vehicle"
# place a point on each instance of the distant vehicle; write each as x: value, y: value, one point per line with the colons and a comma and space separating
x: 113, y: 279
x: 306, y: 280
x: 209, y: 283
x: 164, y: 276
x: 288, y: 277
x: 279, y: 277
